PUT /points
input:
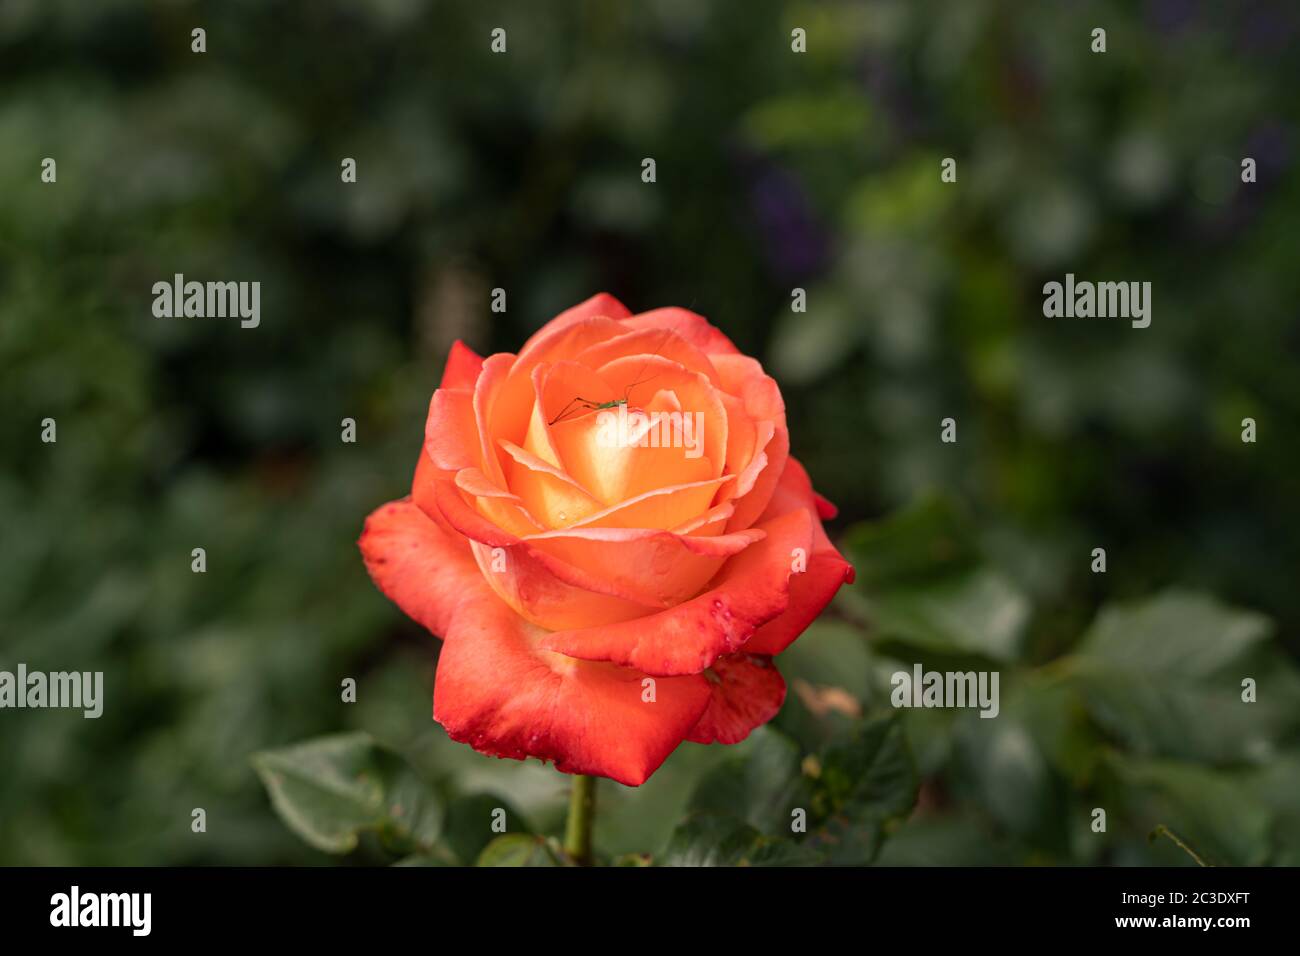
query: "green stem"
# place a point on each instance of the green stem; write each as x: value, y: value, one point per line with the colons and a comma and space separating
x: 1162, y: 830
x: 582, y: 814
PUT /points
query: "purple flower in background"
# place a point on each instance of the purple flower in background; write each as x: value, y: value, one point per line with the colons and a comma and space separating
x: 793, y: 240
x: 891, y: 93
x: 1270, y: 146
x: 1171, y: 16
x: 1266, y: 27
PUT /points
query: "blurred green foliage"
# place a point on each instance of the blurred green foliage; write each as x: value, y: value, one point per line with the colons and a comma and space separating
x: 775, y: 171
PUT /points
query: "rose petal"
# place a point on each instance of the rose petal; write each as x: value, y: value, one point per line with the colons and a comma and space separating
x: 825, y: 510
x: 810, y: 592
x: 539, y: 586
x: 747, y: 477
x: 751, y: 589
x: 639, y: 378
x: 563, y: 391
x: 503, y: 508
x: 614, y: 470
x: 650, y: 566
x: 496, y: 691
x: 663, y: 508
x: 749, y: 506
x: 712, y: 522
x: 692, y: 327
x: 496, y: 371
x: 647, y: 342
x: 513, y: 403
x: 422, y: 493
x: 462, y: 368
x: 529, y: 583
x: 450, y: 432
x: 742, y: 438
x: 416, y: 565
x: 812, y: 589
x: 601, y: 305
x: 743, y: 377
x: 747, y: 692
x: 546, y: 491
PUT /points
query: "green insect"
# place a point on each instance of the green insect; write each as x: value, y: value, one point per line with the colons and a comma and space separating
x: 584, y: 405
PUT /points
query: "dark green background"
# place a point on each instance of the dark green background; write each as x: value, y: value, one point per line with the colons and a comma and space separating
x: 775, y: 171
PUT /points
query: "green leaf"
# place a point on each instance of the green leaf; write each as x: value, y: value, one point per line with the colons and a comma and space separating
x: 975, y: 612
x: 921, y: 583
x: 833, y: 653
x: 801, y: 120
x: 908, y: 199
x: 1164, y: 676
x: 949, y: 840
x: 930, y: 537
x: 872, y: 773
x: 832, y: 674
x: 1179, y: 633
x: 437, y: 858
x: 709, y: 839
x: 805, y: 345
x: 1006, y: 763
x: 1277, y: 786
x: 642, y: 819
x: 761, y: 784
x: 864, y: 788
x: 1213, y: 811
x: 330, y: 790
x: 468, y: 829
x: 520, y: 849
x: 744, y: 810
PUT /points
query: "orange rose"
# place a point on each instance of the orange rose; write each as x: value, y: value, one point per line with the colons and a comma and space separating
x: 605, y: 591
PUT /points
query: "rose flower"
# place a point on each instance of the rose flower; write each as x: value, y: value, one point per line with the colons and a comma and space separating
x: 604, y: 593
